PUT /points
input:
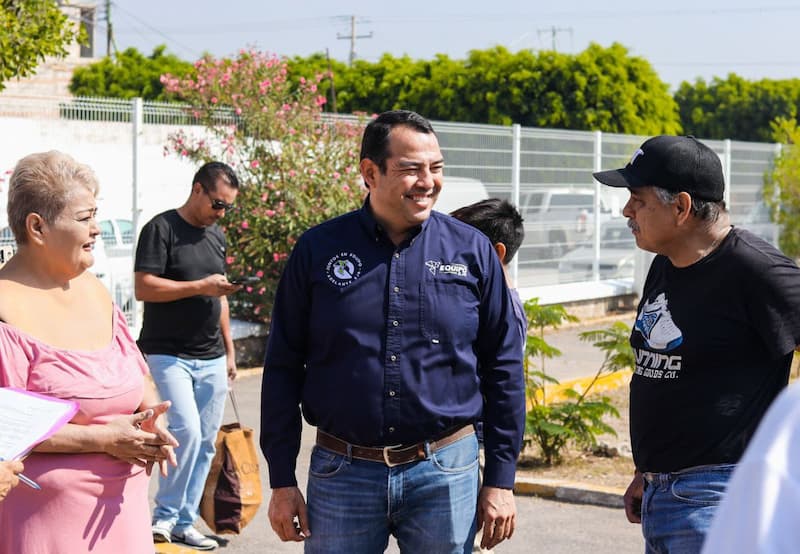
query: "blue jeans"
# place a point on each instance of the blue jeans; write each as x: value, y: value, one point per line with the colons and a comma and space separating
x: 677, y: 508
x: 429, y: 506
x: 197, y: 389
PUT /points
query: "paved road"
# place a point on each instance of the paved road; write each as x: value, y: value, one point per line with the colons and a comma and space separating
x: 543, y: 525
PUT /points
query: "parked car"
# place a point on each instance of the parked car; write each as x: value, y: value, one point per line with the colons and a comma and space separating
x: 758, y: 221
x: 617, y: 251
x: 557, y: 220
x: 458, y: 192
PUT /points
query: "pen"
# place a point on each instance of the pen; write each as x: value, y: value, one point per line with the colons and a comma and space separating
x: 28, y: 481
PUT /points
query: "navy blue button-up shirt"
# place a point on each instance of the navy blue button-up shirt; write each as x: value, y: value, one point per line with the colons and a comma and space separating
x: 380, y: 343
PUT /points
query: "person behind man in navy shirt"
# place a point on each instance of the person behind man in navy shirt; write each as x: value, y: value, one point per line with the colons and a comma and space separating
x: 381, y: 320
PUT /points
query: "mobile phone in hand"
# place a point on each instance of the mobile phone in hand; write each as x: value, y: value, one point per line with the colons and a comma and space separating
x: 245, y: 280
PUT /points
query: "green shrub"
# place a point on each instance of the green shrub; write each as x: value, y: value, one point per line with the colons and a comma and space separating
x: 578, y: 420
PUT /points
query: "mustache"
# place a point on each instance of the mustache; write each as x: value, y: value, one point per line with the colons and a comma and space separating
x: 632, y: 225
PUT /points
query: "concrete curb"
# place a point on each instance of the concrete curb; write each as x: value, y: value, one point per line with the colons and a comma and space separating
x: 570, y: 491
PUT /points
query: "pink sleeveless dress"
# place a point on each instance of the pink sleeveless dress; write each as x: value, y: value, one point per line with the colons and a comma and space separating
x: 88, y: 502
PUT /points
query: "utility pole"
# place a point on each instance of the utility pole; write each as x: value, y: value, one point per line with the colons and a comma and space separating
x: 353, y: 36
x: 553, y: 32
x: 333, y: 86
x: 109, y: 29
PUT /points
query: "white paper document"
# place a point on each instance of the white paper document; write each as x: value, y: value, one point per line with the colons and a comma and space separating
x: 28, y: 418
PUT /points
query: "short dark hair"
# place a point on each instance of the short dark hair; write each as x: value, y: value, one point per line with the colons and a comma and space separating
x: 208, y: 174
x: 375, y: 142
x: 497, y: 219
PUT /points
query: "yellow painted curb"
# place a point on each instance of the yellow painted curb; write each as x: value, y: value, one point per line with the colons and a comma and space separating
x: 610, y: 381
x: 170, y: 548
x: 570, y: 491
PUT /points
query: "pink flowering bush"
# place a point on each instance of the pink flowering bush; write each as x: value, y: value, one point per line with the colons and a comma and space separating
x: 295, y: 169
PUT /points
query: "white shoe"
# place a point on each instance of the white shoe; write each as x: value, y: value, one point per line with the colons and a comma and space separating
x: 194, y: 538
x: 162, y: 530
x: 655, y: 323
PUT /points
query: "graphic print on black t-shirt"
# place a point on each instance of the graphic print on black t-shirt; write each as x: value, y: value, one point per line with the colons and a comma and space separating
x: 654, y: 322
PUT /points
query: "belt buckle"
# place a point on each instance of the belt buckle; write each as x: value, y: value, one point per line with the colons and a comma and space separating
x: 386, y: 460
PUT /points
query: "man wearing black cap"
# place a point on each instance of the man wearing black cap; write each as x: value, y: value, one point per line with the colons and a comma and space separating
x: 717, y: 323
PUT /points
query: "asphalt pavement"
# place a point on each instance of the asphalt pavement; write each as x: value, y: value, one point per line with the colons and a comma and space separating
x: 553, y: 517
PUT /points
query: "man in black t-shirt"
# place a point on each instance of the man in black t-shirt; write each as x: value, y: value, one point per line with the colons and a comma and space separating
x: 180, y: 276
x: 716, y: 327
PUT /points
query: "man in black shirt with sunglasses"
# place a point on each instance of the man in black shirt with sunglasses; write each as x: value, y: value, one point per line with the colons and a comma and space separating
x: 180, y: 276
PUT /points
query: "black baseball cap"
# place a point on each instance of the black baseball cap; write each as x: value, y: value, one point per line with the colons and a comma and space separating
x: 677, y: 164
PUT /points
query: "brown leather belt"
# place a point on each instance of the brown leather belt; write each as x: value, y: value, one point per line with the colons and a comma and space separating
x: 391, y: 455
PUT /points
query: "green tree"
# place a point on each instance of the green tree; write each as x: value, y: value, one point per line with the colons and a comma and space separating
x: 296, y: 170
x: 735, y: 108
x: 782, y: 185
x: 129, y: 74
x: 30, y: 30
x: 598, y: 89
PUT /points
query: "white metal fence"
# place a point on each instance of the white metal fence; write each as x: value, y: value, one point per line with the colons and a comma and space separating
x: 573, y: 249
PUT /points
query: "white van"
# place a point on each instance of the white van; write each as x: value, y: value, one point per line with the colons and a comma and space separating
x: 458, y: 192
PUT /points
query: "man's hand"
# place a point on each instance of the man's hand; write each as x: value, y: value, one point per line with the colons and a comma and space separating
x: 218, y: 285
x: 8, y: 476
x: 633, y: 499
x: 287, y: 514
x: 231, y: 364
x: 497, y: 514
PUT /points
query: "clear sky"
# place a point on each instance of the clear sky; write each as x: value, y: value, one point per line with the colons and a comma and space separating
x: 682, y: 39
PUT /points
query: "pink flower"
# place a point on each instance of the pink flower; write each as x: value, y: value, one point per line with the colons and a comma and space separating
x: 249, y: 289
x: 256, y: 310
x: 254, y: 164
x: 262, y: 290
x: 259, y: 273
x: 336, y: 174
x: 245, y: 225
x: 264, y: 197
x: 276, y: 257
x: 292, y: 173
x: 229, y: 260
x: 238, y: 111
x: 213, y: 99
x: 345, y: 188
x: 270, y: 213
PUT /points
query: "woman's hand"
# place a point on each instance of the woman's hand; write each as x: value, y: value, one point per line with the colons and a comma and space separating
x: 126, y: 440
x: 157, y: 425
x: 8, y: 476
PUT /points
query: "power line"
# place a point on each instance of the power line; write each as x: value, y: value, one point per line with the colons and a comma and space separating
x: 156, y: 31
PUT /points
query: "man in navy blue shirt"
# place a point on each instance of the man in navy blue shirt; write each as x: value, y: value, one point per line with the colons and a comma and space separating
x: 381, y: 320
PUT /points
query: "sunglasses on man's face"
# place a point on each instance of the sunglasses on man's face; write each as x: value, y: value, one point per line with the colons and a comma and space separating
x: 216, y: 203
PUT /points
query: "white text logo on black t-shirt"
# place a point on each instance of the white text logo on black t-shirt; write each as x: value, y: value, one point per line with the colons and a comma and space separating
x: 343, y: 269
x: 446, y: 268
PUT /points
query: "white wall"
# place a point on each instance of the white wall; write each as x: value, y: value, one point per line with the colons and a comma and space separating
x: 164, y: 182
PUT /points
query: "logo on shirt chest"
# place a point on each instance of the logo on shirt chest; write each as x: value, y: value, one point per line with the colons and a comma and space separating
x: 445, y: 268
x: 343, y: 269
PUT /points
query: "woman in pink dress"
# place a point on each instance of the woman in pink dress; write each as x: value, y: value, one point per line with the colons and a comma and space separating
x: 61, y: 335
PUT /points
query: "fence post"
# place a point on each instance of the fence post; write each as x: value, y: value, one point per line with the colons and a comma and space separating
x: 516, y: 140
x: 137, y: 117
x: 598, y: 166
x: 726, y: 160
